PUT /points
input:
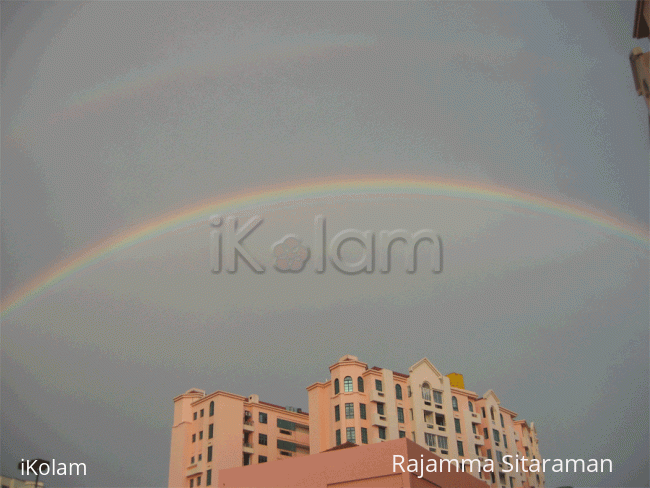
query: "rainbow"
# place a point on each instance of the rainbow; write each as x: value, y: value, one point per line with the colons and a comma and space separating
x: 313, y: 190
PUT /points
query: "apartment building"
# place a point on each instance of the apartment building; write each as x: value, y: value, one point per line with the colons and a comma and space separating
x: 223, y: 430
x: 358, y: 405
x: 369, y: 405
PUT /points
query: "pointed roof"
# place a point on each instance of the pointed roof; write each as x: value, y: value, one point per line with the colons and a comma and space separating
x: 490, y: 393
x: 424, y: 362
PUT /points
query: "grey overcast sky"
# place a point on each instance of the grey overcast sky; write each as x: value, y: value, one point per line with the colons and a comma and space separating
x: 116, y: 114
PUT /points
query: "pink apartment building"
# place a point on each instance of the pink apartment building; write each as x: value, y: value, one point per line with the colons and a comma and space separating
x: 369, y: 405
x: 222, y: 430
x: 357, y: 405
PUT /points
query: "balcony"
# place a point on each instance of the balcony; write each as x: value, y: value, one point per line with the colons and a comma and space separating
x: 377, y: 396
x: 516, y: 436
x: 248, y: 447
x: 478, y: 439
x: 193, y: 469
x: 249, y: 426
x: 475, y: 418
x: 379, y: 420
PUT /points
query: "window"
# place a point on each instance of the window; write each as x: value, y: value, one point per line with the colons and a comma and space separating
x: 198, y: 481
x: 442, y: 442
x: 201, y: 412
x: 211, y: 409
x: 261, y: 459
x: 477, y: 450
x: 194, y: 415
x: 505, y: 441
x: 411, y: 410
x: 457, y: 425
x: 499, y: 456
x: 263, y: 418
x: 426, y: 392
x: 461, y: 451
x: 496, y: 436
x: 402, y: 434
x: 337, y: 413
x: 378, y: 385
x: 382, y: 432
x: 285, y: 424
x: 483, y: 410
x: 489, y: 453
x: 283, y: 453
x: 201, y: 435
x: 336, y: 386
x: 492, y: 413
x: 347, y: 384
x: 364, y: 435
x: 471, y: 406
x: 208, y: 477
x: 400, y: 415
x: 430, y: 439
x: 193, y: 437
x: 210, y: 431
x: 338, y: 437
x: 209, y: 454
x: 474, y: 428
x: 286, y: 445
x: 350, y: 435
x: 428, y: 417
x: 349, y: 410
x: 200, y: 456
x: 362, y: 410
x: 512, y: 482
x: 360, y: 384
x: 380, y: 408
x: 437, y: 397
x: 262, y: 440
x: 502, y: 423
x: 440, y: 420
x: 192, y: 483
x: 398, y: 392
x: 192, y: 460
x: 454, y: 403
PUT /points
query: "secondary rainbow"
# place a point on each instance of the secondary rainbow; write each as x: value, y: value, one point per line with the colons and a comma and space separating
x: 312, y: 190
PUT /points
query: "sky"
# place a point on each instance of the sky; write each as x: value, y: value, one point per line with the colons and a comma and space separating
x: 510, y: 130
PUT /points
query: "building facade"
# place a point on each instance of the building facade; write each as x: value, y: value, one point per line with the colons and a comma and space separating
x: 640, y: 61
x: 351, y: 466
x: 223, y: 430
x: 357, y: 405
x: 370, y: 405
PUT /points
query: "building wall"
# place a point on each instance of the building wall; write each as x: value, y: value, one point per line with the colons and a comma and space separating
x: 223, y: 430
x: 358, y: 466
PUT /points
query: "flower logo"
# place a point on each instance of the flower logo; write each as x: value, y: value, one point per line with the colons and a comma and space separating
x: 290, y: 254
